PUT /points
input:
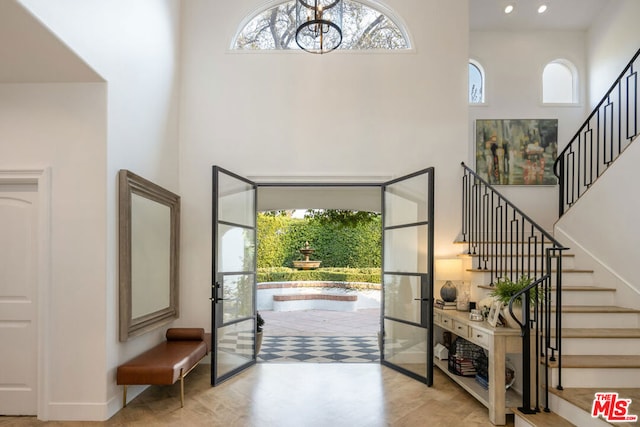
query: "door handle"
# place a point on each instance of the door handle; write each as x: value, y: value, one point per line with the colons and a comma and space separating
x: 421, y: 299
x: 216, y: 298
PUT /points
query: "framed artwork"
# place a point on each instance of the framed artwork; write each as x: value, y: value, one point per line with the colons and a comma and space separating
x: 517, y: 152
x: 494, y: 313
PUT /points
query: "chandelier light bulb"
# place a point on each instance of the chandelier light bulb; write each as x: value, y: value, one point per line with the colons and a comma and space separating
x: 508, y: 9
x: 542, y: 8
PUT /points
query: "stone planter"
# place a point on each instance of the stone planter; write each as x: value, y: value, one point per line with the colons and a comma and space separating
x: 258, y: 342
x: 511, y: 322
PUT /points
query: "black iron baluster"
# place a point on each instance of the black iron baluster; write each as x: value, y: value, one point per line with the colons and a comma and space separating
x: 584, y: 160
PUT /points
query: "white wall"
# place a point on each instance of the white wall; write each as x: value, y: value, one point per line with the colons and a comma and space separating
x: 63, y: 126
x: 612, y: 42
x: 602, y: 226
x: 134, y: 46
x: 375, y: 114
x: 275, y: 114
x: 513, y: 63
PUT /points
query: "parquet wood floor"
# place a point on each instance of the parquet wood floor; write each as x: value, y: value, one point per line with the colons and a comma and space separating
x: 298, y: 395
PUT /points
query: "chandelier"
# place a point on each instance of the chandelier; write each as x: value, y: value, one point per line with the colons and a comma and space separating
x: 318, y: 25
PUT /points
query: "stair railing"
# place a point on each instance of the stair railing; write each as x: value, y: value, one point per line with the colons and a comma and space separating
x: 506, y: 243
x: 606, y: 133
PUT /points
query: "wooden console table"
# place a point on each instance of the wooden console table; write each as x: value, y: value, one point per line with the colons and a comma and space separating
x: 499, y: 341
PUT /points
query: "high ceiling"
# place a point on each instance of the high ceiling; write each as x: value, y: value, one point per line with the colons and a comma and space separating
x: 488, y: 15
x: 32, y: 54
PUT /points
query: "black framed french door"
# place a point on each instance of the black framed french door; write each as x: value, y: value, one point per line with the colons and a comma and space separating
x: 233, y: 292
x: 407, y: 275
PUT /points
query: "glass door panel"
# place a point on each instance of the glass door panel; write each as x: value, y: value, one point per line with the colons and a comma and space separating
x: 234, y: 345
x: 407, y: 317
x: 406, y: 202
x: 234, y: 272
x: 407, y: 249
x: 237, y: 248
x: 236, y: 301
x: 405, y: 347
x: 236, y: 200
x: 402, y: 297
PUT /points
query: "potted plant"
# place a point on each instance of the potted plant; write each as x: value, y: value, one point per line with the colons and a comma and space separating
x: 505, y: 288
x: 259, y: 325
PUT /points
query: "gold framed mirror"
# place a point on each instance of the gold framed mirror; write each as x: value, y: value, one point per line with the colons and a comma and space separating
x: 149, y: 236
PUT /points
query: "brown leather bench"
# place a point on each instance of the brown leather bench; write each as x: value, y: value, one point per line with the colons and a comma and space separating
x: 165, y: 363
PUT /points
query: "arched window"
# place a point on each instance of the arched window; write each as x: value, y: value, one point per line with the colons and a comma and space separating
x: 559, y: 83
x: 363, y: 27
x: 476, y: 83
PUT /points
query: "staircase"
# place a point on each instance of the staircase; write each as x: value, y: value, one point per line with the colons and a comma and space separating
x: 587, y: 344
x: 600, y: 348
x: 600, y: 353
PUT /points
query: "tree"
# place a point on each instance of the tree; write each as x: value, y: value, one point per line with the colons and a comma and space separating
x: 345, y: 218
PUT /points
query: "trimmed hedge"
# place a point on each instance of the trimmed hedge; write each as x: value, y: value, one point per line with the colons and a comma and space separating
x: 336, y: 245
x: 284, y: 274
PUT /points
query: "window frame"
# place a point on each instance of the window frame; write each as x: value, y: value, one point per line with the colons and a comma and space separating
x: 483, y: 79
x: 373, y: 4
x: 575, y: 92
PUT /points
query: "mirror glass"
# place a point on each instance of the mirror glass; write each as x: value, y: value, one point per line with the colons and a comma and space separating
x: 150, y: 256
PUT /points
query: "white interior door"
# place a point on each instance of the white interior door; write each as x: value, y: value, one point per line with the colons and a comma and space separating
x: 18, y: 299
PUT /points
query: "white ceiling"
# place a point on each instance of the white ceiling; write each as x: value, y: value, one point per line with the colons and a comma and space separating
x: 31, y: 53
x: 488, y: 15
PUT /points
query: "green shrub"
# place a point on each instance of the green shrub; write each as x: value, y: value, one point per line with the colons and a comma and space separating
x: 284, y: 274
x: 336, y: 245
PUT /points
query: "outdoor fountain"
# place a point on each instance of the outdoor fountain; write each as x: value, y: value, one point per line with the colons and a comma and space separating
x: 306, y: 264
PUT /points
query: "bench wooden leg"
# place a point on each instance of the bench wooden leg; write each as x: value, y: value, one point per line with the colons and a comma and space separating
x: 124, y: 397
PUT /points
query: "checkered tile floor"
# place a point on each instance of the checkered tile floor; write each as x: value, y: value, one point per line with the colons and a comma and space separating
x: 319, y: 349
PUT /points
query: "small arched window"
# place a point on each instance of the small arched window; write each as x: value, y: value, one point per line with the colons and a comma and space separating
x: 559, y: 83
x: 364, y: 27
x: 476, y: 82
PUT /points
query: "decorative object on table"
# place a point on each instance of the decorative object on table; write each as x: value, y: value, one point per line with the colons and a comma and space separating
x: 462, y: 300
x: 517, y: 152
x: 481, y: 363
x: 504, y: 289
x: 494, y: 313
x: 445, y: 305
x: 448, y: 292
x: 484, y: 305
x: 446, y: 339
x: 509, y: 374
x: 319, y: 25
x: 441, y: 352
x: 448, y: 271
x: 476, y: 315
x: 461, y: 361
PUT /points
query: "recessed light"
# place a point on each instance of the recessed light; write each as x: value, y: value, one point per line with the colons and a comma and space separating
x: 542, y: 8
x: 508, y: 9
